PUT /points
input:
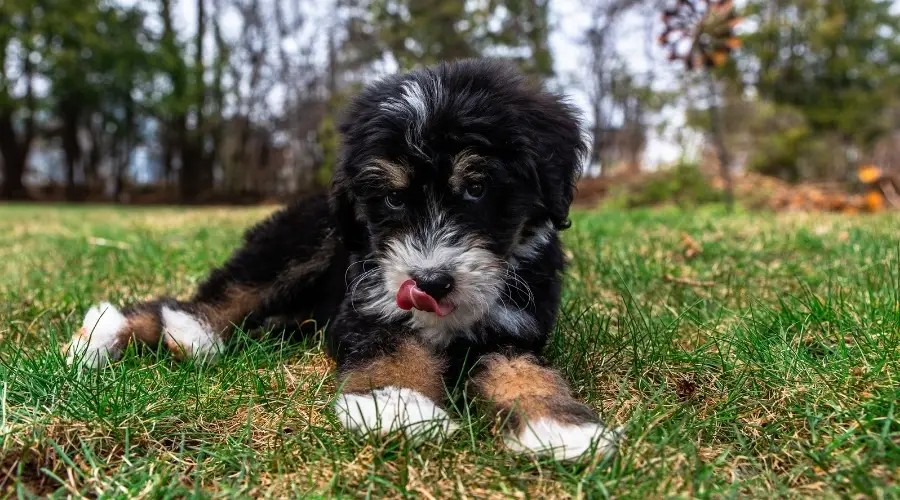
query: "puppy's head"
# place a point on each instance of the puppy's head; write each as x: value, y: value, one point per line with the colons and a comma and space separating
x: 450, y: 175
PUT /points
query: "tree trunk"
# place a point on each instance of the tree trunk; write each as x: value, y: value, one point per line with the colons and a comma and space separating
x: 597, y: 153
x: 121, y: 165
x: 718, y: 139
x: 168, y: 154
x: 128, y: 141
x: 71, y: 147
x: 14, y: 149
x: 204, y: 164
x: 94, y: 156
x: 15, y: 156
x: 13, y: 170
x: 188, y: 185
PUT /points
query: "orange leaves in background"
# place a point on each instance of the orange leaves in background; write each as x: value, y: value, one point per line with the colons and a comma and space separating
x: 874, y: 201
x: 774, y: 194
x: 868, y: 174
x: 874, y: 198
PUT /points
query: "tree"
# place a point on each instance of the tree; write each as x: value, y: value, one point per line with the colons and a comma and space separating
x: 19, y: 68
x: 701, y: 34
x: 421, y: 32
x: 96, y: 63
x: 621, y: 99
x: 836, y: 63
x: 191, y: 125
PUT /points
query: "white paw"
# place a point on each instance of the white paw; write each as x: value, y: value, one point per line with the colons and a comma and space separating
x: 391, y: 409
x: 100, y: 339
x: 548, y: 437
x: 188, y: 336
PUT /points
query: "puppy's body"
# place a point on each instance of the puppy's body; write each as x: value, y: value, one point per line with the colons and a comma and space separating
x: 437, y: 251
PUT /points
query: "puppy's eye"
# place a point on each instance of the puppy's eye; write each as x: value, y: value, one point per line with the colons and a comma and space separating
x: 394, y: 201
x: 474, y: 191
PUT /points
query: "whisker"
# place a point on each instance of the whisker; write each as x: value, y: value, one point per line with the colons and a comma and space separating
x: 347, y: 271
x: 355, y: 285
x: 515, y: 281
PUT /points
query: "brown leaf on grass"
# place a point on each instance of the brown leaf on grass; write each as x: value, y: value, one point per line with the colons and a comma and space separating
x: 685, y: 387
x: 691, y: 247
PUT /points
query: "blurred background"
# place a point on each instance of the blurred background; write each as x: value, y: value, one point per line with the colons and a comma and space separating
x: 779, y: 104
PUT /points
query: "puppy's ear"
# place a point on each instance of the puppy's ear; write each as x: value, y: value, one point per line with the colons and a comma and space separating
x: 562, y: 149
x: 344, y: 210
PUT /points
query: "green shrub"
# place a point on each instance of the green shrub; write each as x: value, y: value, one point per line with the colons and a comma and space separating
x: 682, y: 185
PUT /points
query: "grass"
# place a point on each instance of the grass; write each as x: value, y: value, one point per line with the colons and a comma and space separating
x: 747, y: 355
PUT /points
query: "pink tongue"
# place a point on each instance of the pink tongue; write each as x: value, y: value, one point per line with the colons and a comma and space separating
x: 410, y: 296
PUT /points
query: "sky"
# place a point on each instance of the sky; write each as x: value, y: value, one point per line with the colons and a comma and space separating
x: 637, y: 46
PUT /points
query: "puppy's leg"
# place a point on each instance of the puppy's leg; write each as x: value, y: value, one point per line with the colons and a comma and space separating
x: 537, y: 411
x: 401, y: 391
x: 283, y: 267
x: 194, y: 329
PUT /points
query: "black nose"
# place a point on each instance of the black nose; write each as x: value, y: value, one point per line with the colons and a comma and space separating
x: 438, y: 284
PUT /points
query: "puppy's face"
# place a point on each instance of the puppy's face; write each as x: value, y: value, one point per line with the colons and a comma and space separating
x: 443, y: 229
x: 451, y: 177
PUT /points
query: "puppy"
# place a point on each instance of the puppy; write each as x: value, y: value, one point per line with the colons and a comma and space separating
x: 435, y: 258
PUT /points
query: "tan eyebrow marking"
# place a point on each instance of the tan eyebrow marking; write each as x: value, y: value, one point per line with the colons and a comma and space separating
x: 397, y: 174
x: 462, y: 169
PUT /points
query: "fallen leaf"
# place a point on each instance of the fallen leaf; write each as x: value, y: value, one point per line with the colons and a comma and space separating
x: 874, y: 201
x: 869, y: 174
x: 691, y: 247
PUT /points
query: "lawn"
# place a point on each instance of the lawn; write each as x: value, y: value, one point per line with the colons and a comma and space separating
x: 746, y: 355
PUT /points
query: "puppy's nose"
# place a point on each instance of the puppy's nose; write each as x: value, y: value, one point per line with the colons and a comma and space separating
x: 438, y: 284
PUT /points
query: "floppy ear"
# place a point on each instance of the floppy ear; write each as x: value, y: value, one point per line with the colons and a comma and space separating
x: 562, y: 149
x: 343, y: 208
x: 344, y: 204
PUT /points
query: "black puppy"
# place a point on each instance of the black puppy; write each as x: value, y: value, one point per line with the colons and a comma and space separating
x: 435, y: 258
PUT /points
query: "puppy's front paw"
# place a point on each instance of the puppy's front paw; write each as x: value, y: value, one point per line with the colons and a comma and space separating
x: 392, y: 409
x: 100, y: 338
x: 549, y: 437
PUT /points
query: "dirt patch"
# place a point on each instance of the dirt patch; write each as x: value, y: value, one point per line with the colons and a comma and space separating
x: 26, y: 468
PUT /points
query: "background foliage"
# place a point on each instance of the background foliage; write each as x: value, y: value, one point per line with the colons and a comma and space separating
x: 238, y: 101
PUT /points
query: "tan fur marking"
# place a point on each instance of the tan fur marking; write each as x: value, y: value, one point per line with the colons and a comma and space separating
x: 462, y: 169
x: 179, y: 352
x: 239, y: 301
x: 144, y: 326
x: 411, y: 366
x: 506, y: 380
x: 521, y: 390
x: 396, y: 174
